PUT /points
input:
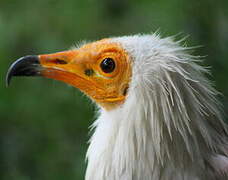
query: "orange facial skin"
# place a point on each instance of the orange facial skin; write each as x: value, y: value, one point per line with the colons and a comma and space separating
x: 81, y: 68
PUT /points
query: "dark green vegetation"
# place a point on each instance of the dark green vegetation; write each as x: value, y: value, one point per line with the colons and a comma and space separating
x: 44, y: 123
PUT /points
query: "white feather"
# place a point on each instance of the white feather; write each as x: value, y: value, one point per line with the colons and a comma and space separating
x: 170, y: 126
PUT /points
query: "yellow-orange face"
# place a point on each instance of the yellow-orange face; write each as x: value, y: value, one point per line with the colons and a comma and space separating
x: 100, y: 69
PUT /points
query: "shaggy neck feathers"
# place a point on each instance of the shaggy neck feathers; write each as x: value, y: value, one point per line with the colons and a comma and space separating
x: 170, y: 122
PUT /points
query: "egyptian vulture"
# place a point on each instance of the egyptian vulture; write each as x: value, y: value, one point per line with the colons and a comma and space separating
x: 159, y: 117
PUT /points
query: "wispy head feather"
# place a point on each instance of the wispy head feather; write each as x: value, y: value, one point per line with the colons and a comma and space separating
x: 171, y: 123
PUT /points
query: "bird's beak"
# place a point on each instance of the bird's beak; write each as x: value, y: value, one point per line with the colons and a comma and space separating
x: 66, y: 66
x: 25, y: 66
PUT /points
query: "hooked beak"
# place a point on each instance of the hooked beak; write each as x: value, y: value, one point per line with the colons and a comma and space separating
x: 67, y: 66
x: 55, y: 66
x: 25, y: 66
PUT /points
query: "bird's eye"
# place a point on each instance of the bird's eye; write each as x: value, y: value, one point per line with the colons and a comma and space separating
x: 108, y: 65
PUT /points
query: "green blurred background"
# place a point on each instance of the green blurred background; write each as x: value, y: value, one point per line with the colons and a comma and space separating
x: 44, y: 123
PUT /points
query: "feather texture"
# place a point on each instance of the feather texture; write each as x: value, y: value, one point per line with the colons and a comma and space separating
x: 170, y: 126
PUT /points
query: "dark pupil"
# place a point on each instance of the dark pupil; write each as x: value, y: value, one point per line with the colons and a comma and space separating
x: 108, y: 65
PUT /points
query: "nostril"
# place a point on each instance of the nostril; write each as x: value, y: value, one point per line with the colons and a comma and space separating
x: 59, y: 61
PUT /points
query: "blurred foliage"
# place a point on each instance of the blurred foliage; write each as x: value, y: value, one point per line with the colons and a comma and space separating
x: 43, y: 123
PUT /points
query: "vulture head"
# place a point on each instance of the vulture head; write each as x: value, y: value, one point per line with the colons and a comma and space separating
x: 159, y: 117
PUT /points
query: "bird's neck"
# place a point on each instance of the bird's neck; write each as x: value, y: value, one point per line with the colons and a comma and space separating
x: 123, y: 146
x: 121, y: 150
x: 124, y: 150
x: 152, y: 136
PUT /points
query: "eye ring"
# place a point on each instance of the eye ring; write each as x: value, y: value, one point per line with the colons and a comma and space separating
x: 108, y: 65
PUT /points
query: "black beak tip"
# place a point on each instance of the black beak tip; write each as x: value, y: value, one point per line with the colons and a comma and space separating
x: 24, y: 66
x: 8, y: 79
